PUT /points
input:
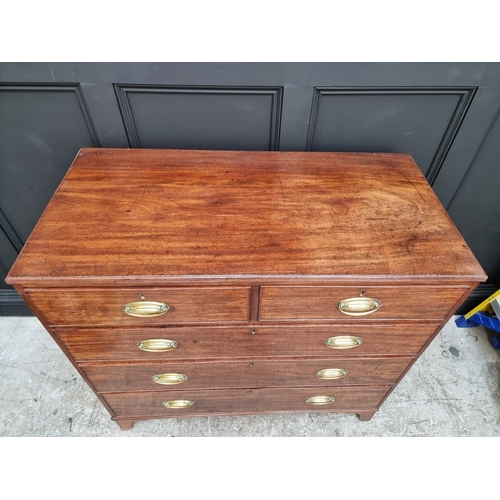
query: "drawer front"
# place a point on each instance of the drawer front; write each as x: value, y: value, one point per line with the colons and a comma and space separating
x: 243, y: 401
x: 286, y: 303
x: 247, y: 342
x: 172, y: 376
x: 104, y: 307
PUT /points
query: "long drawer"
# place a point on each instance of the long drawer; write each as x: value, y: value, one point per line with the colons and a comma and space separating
x: 318, y: 372
x: 245, y: 342
x: 299, y: 303
x: 105, y: 306
x: 244, y: 401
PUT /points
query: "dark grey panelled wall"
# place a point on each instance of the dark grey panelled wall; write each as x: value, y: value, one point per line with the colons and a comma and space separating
x: 421, y: 120
x: 445, y: 114
x: 201, y: 118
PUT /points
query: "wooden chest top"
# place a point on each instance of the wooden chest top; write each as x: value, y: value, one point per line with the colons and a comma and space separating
x: 137, y: 216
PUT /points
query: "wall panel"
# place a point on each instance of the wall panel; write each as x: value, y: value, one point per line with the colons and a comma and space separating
x: 42, y: 127
x: 419, y: 121
x: 201, y: 117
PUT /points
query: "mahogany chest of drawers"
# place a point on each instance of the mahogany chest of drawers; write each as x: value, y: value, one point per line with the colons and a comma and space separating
x: 189, y: 283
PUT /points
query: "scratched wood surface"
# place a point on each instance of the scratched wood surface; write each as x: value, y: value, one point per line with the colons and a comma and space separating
x: 245, y: 214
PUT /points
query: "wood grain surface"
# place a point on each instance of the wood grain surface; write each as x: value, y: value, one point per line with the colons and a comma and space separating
x: 118, y: 344
x: 143, y: 214
x: 104, y: 306
x: 238, y: 401
x: 231, y: 374
x: 287, y: 303
x: 251, y: 251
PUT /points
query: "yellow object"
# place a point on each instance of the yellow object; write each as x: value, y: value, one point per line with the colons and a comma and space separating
x: 484, y: 306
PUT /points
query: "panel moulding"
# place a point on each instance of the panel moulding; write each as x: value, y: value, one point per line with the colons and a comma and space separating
x: 123, y: 91
x: 57, y: 87
x: 465, y: 94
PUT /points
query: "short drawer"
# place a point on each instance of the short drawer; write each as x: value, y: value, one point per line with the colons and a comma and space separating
x: 244, y: 401
x: 296, y: 303
x: 162, y: 344
x: 319, y: 372
x: 105, y: 307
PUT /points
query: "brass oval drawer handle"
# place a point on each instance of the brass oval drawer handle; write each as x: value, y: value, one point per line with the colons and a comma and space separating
x: 145, y: 309
x: 178, y: 403
x: 359, y: 306
x: 169, y: 378
x: 343, y: 342
x: 331, y: 373
x: 320, y: 400
x: 157, y: 345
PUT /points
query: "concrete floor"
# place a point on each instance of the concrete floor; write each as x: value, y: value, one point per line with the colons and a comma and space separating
x: 452, y: 390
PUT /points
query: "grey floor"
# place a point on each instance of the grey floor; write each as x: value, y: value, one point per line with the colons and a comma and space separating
x: 453, y: 390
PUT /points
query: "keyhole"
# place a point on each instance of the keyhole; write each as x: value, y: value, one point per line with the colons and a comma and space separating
x: 142, y: 296
x: 362, y: 293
